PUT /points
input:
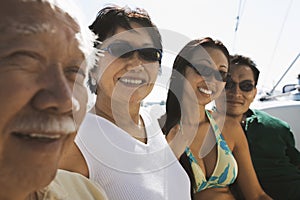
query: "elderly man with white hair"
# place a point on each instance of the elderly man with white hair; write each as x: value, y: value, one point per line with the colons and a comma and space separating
x: 43, y: 98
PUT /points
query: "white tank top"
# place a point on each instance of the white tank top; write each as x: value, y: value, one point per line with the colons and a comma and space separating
x: 128, y: 169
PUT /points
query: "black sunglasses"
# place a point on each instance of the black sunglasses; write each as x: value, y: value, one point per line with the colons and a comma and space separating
x: 125, y: 50
x: 245, y: 86
x: 205, y: 71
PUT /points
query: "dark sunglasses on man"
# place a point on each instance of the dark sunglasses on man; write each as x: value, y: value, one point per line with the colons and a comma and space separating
x: 125, y: 50
x: 206, y: 71
x: 245, y: 86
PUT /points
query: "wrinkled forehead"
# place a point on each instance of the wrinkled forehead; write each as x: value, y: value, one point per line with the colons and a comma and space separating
x: 33, y: 16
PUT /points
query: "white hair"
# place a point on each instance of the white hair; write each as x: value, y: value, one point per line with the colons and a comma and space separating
x: 85, y: 37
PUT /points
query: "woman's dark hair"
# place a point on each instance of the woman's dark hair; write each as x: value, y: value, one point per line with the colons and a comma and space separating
x: 175, y: 92
x: 111, y: 17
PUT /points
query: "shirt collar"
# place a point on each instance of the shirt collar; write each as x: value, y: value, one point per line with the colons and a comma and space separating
x: 255, y: 115
x: 54, y: 191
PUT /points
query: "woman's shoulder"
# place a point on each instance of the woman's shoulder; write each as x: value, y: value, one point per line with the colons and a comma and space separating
x: 231, y: 129
x: 230, y: 121
x: 226, y: 121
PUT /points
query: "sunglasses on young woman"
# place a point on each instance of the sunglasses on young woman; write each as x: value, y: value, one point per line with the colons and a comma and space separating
x: 206, y: 71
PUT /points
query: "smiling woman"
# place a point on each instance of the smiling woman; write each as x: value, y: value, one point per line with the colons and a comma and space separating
x: 127, y: 154
x: 215, y: 155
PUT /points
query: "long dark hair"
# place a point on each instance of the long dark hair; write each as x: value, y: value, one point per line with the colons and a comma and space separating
x: 175, y: 92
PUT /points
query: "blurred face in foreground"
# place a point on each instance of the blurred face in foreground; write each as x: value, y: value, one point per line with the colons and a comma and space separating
x: 41, y: 92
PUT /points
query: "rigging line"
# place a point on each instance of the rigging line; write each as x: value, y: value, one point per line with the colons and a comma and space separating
x: 236, y: 26
x: 271, y: 92
x: 238, y: 19
x: 242, y: 12
x: 280, y: 33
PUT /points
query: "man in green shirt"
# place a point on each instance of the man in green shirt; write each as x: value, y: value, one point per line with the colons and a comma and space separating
x: 271, y: 141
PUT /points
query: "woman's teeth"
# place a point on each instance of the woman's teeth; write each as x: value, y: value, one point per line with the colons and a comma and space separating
x: 205, y: 91
x: 131, y: 81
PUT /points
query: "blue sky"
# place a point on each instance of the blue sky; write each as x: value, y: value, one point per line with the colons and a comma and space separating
x: 268, y: 31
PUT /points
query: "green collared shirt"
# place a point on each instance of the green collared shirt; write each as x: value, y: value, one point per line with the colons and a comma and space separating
x: 272, y: 147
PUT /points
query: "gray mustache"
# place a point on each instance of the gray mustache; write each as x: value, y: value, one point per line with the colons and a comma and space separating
x: 41, y: 122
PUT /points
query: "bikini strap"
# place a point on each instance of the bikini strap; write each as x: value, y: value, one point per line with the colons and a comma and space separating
x: 213, y: 124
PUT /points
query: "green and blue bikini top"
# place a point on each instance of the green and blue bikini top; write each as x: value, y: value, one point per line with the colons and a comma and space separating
x: 226, y: 168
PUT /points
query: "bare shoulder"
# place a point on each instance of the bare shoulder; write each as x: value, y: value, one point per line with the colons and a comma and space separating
x: 231, y: 121
x: 233, y: 126
x: 232, y: 131
x: 73, y: 160
x: 228, y: 125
